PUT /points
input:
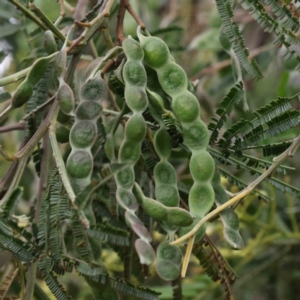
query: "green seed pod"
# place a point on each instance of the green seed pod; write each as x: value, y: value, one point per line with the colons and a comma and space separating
x: 174, y: 82
x: 202, y: 166
x: 172, y: 79
x: 49, y: 42
x: 94, y: 89
x: 88, y: 110
x: 80, y: 164
x: 195, y: 135
x: 138, y: 226
x: 38, y: 69
x: 125, y: 178
x: 204, y: 193
x: 135, y: 128
x: 126, y: 199
x: 92, y: 65
x: 65, y: 98
x: 154, y: 209
x: 129, y: 153
x: 62, y: 118
x: 167, y: 270
x: 145, y: 251
x: 156, y: 105
x: 167, y: 195
x: 165, y: 173
x: 83, y: 134
x: 179, y: 217
x: 156, y: 52
x: 186, y: 107
x: 132, y: 49
x: 228, y: 217
x: 60, y: 62
x: 163, y: 143
x: 136, y: 98
x: 166, y: 252
x: 134, y: 77
x: 22, y: 95
x: 134, y: 73
x: 62, y: 134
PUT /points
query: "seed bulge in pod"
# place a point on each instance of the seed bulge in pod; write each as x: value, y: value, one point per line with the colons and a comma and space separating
x: 167, y: 270
x: 83, y: 134
x: 88, y: 110
x: 172, y: 78
x: 80, y: 164
x: 94, y: 89
x: 156, y: 52
x: 167, y: 252
x: 202, y: 166
x: 165, y: 173
x: 186, y: 107
x: 134, y: 73
x: 195, y: 135
x: 132, y: 49
x: 136, y: 98
x: 167, y: 195
x: 65, y: 98
x: 135, y: 129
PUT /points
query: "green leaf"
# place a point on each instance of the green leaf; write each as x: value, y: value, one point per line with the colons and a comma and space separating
x: 109, y: 234
x: 45, y: 267
x: 238, y: 44
x: 224, y: 109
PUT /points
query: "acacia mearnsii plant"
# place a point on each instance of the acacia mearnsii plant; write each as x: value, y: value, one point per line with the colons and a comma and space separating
x: 146, y: 153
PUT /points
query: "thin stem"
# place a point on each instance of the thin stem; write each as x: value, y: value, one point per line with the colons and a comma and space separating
x: 7, y: 110
x: 47, y: 21
x: 187, y: 255
x: 31, y: 274
x: 120, y: 21
x: 134, y: 15
x: 8, y: 128
x: 62, y: 8
x: 223, y: 64
x: 14, y: 77
x: 61, y: 165
x: 44, y: 174
x: 96, y: 23
x: 38, y: 108
x: 28, y: 14
x: 276, y: 163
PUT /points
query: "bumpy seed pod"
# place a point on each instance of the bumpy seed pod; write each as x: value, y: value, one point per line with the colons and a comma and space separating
x: 65, y: 98
x: 83, y: 132
x: 186, y: 107
x: 173, y: 215
x: 228, y: 217
x: 49, y: 42
x: 62, y: 134
x: 134, y: 77
x: 22, y: 94
x: 168, y: 261
x: 25, y: 89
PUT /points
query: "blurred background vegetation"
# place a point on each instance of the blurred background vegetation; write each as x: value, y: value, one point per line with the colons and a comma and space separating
x: 269, y: 265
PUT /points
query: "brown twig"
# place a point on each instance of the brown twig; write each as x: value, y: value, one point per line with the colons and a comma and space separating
x: 120, y: 21
x: 134, y: 15
x: 62, y: 7
x: 17, y: 126
x: 223, y: 64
